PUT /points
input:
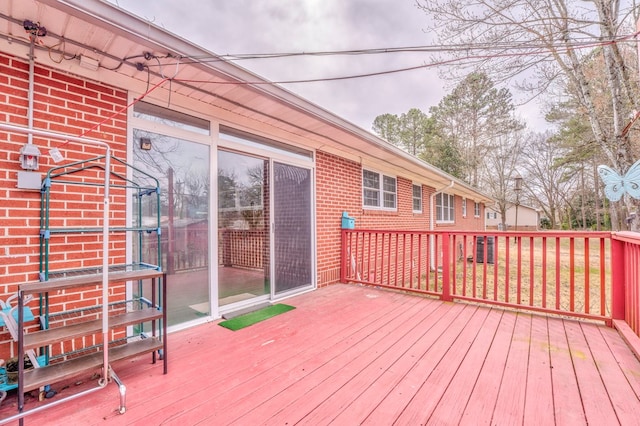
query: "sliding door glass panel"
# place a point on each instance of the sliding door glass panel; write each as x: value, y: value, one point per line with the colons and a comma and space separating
x: 182, y: 167
x: 243, y: 227
x: 292, y: 227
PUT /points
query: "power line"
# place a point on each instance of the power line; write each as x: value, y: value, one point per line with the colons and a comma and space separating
x: 508, y: 49
x: 443, y: 48
x: 474, y: 58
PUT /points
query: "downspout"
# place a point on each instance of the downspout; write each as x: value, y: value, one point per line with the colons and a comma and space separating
x: 432, y: 220
x: 31, y: 88
x: 484, y: 215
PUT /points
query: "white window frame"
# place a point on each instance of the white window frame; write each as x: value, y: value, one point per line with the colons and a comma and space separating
x: 464, y: 207
x: 445, y: 211
x: 380, y: 191
x: 476, y: 209
x: 417, y: 199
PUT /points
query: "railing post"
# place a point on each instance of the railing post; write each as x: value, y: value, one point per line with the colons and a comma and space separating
x: 617, y: 279
x: 446, y: 267
x: 343, y: 257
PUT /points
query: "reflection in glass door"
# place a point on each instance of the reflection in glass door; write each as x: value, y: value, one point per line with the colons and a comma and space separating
x: 243, y: 227
x: 293, y: 231
x: 182, y: 167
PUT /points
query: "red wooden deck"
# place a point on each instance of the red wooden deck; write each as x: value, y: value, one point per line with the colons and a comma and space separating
x: 355, y: 355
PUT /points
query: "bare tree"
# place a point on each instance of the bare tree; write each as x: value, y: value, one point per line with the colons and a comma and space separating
x: 500, y: 167
x: 553, y: 42
x: 546, y: 179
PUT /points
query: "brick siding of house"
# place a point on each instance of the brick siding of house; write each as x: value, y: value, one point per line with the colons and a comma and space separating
x: 70, y: 105
x: 339, y: 189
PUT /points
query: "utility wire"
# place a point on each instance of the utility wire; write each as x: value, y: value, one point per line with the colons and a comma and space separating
x: 539, y: 51
x: 507, y: 49
x: 530, y: 50
x: 449, y: 48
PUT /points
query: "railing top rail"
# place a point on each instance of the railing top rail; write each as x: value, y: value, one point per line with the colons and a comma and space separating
x: 627, y: 236
x: 549, y: 234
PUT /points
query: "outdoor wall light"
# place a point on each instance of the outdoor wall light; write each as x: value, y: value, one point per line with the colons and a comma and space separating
x: 145, y: 143
x: 29, y: 156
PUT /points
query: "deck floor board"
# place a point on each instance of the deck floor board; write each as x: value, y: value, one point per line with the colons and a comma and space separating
x: 334, y: 364
x: 361, y: 405
x: 358, y: 355
x: 431, y: 392
x: 613, y: 378
x: 396, y: 401
x: 271, y: 359
x: 538, y: 410
x: 366, y: 372
x: 305, y: 373
x: 510, y: 405
x: 483, y: 396
x: 627, y: 360
x: 564, y: 384
x: 595, y: 399
x: 347, y: 369
x: 453, y: 402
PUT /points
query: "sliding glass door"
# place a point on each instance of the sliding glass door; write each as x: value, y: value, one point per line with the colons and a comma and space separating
x: 243, y: 227
x: 293, y: 227
x: 265, y: 228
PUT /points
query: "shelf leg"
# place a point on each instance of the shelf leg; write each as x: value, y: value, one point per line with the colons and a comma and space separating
x: 122, y: 389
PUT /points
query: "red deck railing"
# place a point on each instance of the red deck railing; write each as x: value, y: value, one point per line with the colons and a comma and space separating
x: 626, y: 271
x: 579, y: 274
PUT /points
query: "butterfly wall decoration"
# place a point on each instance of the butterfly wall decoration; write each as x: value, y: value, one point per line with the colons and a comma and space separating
x: 615, y: 186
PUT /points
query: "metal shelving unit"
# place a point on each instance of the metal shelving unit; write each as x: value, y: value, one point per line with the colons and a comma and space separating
x: 111, y: 315
x: 67, y: 176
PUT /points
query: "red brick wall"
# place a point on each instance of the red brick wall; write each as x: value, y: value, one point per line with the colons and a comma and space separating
x: 468, y: 223
x: 403, y: 217
x: 339, y: 188
x: 462, y: 223
x: 66, y: 104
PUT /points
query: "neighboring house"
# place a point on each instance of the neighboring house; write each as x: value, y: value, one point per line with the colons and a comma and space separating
x: 528, y: 218
x: 244, y: 165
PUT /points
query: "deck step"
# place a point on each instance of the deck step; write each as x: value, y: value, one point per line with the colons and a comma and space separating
x: 59, y: 334
x: 53, y: 373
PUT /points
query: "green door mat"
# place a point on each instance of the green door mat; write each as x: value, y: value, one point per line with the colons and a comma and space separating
x: 251, y: 318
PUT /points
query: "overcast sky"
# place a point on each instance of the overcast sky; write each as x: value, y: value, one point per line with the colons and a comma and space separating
x: 274, y: 26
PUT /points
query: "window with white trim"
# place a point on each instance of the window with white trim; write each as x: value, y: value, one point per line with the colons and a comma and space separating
x: 378, y: 190
x: 464, y: 207
x: 445, y: 211
x: 417, y: 198
x: 476, y: 209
